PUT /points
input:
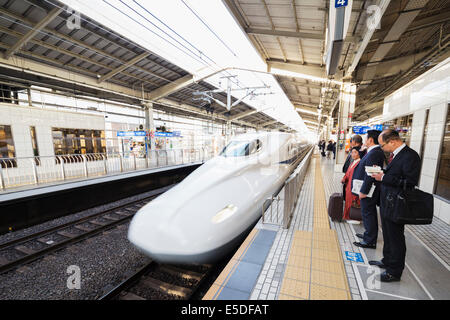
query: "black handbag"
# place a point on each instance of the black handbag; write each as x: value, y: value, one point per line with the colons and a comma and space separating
x: 355, y: 211
x: 410, y: 206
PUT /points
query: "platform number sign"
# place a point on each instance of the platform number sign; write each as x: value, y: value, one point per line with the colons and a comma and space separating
x: 340, y: 3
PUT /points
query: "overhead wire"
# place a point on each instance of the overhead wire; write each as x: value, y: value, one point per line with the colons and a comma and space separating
x: 111, y: 58
x: 120, y: 37
x: 125, y: 39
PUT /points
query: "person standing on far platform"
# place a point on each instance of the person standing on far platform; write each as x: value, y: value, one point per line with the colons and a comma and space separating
x: 329, y: 148
x: 334, y: 149
x: 373, y: 157
x: 403, y: 168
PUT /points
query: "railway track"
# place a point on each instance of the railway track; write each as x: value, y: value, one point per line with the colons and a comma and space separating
x: 29, y: 248
x: 160, y: 282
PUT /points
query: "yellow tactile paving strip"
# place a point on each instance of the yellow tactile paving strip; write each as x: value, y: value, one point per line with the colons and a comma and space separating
x: 230, y: 268
x: 315, y: 268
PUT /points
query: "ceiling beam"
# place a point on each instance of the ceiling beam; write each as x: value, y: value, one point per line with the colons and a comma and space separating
x: 301, y: 104
x: 314, y: 97
x: 395, y: 31
x: 418, y: 24
x: 133, y: 61
x: 314, y: 70
x: 73, y: 41
x: 306, y: 85
x: 30, y: 34
x: 367, y: 36
x: 293, y: 34
x: 309, y: 112
x: 171, y: 87
x: 72, y: 54
x: 243, y: 114
x: 267, y: 123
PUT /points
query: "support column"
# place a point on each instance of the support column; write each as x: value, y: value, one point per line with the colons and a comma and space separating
x: 29, y: 97
x: 346, y: 108
x: 228, y: 132
x: 149, y: 124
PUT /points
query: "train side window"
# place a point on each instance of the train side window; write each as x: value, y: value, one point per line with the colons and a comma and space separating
x: 253, y: 147
x: 241, y: 148
x: 442, y: 187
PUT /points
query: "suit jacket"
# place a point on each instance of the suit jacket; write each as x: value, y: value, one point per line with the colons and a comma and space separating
x: 347, y: 163
x: 405, y: 167
x: 374, y: 157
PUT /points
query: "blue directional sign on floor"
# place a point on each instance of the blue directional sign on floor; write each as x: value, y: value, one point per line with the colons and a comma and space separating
x: 354, y: 256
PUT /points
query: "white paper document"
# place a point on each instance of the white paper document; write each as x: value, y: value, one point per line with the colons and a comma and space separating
x: 357, y: 184
x: 374, y: 169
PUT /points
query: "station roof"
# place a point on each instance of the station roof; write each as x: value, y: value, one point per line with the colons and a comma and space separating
x: 38, y: 31
x: 289, y: 35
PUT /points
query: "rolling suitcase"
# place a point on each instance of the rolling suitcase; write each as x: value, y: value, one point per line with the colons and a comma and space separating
x: 336, y: 207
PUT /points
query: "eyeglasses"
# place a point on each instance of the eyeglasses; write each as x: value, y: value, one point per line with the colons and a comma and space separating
x: 382, y: 145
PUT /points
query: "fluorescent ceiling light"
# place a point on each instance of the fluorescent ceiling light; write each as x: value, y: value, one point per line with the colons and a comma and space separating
x: 293, y: 74
x: 308, y: 112
x: 312, y: 122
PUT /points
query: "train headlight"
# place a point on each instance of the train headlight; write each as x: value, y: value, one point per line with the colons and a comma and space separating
x: 224, y: 214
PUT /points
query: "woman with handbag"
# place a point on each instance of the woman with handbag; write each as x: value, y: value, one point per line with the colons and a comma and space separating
x: 350, y: 198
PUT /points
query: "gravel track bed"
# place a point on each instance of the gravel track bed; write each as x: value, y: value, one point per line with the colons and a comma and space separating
x: 151, y: 294
x: 11, y: 254
x: 35, y: 245
x: 172, y: 279
x: 103, y: 260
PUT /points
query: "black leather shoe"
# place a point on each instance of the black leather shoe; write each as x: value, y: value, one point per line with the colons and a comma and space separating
x: 377, y: 263
x: 360, y: 235
x: 387, y: 277
x: 365, y: 245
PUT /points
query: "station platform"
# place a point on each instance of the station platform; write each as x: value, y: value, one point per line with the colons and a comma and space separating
x: 24, y: 207
x: 315, y: 259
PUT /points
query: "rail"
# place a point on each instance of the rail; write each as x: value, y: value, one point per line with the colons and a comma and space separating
x: 279, y: 208
x: 24, y: 171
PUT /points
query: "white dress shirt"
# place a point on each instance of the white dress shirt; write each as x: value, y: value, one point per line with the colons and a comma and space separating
x: 372, y: 147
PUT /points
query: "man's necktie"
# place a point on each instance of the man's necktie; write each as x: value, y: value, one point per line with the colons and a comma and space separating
x: 391, y: 157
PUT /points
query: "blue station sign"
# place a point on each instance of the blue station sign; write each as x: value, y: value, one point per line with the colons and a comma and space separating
x: 340, y: 3
x: 364, y: 129
x: 143, y: 134
x: 131, y: 133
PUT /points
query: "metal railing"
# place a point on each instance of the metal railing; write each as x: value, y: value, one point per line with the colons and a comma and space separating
x: 279, y: 208
x: 22, y: 171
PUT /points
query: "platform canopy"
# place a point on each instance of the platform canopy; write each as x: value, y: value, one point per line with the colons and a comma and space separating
x: 387, y: 44
x: 43, y: 43
x: 135, y: 50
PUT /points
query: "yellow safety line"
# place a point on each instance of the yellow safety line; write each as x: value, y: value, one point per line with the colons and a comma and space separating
x: 315, y: 268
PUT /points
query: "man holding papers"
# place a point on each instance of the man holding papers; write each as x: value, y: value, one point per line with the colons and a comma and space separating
x: 402, y: 171
x: 368, y: 189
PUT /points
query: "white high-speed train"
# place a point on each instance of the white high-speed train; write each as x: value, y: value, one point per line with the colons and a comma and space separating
x: 203, y: 217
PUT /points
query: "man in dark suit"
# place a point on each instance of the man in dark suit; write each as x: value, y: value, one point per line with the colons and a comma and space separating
x: 373, y: 157
x: 403, y: 167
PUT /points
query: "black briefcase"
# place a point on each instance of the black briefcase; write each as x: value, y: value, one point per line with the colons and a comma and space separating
x: 411, y: 206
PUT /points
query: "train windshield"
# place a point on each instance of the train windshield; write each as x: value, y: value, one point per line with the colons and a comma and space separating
x: 241, y: 148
